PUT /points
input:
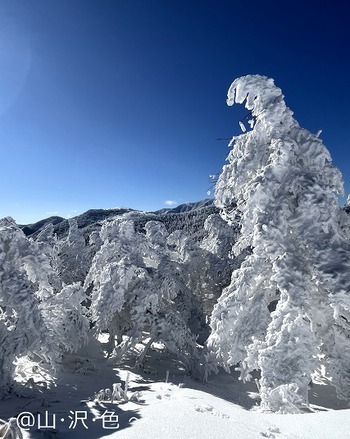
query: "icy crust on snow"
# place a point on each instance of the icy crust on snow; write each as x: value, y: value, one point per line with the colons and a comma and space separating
x: 281, y: 182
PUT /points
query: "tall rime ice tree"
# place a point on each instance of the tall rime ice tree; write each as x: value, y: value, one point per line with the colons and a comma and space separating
x: 286, y: 311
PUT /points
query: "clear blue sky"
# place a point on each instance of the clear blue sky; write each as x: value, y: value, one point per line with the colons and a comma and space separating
x: 108, y: 103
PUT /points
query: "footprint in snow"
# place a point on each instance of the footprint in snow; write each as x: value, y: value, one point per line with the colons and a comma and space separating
x: 203, y: 409
x: 210, y: 409
x: 166, y: 396
x: 270, y: 431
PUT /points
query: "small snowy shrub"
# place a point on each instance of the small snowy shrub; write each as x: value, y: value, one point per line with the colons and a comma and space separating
x: 284, y: 399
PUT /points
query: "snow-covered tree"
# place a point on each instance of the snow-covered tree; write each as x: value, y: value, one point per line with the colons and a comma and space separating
x: 35, y: 317
x: 137, y: 288
x: 48, y: 244
x: 206, y: 265
x: 179, y: 320
x: 72, y: 255
x: 286, y: 311
x: 218, y: 262
x: 115, y: 274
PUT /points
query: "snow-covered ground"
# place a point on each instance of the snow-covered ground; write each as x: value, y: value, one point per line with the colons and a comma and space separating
x: 182, y: 408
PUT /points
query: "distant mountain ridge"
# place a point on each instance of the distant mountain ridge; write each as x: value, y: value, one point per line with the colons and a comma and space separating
x: 188, y: 216
x: 187, y: 207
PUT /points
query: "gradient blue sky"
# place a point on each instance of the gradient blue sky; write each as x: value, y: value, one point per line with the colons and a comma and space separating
x: 107, y: 103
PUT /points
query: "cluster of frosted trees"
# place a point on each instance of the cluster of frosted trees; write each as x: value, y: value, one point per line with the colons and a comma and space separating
x: 134, y: 285
x: 138, y: 286
x: 282, y: 307
x: 153, y: 283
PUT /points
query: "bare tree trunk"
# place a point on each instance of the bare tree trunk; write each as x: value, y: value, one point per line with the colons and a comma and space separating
x: 140, y: 361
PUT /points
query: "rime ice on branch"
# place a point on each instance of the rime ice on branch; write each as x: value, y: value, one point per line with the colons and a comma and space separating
x: 287, y: 309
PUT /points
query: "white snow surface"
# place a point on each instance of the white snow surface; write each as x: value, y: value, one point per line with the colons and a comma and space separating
x: 180, y: 409
x: 196, y: 414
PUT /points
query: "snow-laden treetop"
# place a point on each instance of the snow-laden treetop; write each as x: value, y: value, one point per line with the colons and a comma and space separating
x: 275, y: 149
x: 261, y: 97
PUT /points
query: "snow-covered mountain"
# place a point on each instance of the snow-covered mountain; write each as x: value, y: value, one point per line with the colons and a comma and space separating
x: 189, y: 217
